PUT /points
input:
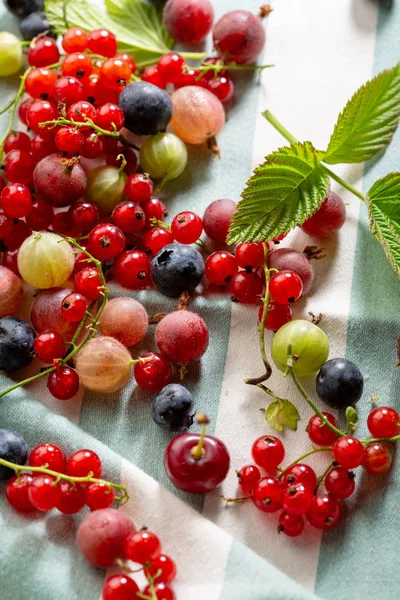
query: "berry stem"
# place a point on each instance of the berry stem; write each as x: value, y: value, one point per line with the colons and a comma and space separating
x: 303, y: 392
x: 197, y: 451
x: 324, y: 474
x: 124, y: 497
x: 13, y: 108
x: 303, y: 456
x: 232, y: 66
x: 286, y: 134
x: 7, y: 106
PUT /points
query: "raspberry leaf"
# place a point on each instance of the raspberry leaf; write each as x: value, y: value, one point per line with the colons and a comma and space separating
x: 282, y: 413
x: 368, y: 120
x: 282, y: 193
x: 383, y: 202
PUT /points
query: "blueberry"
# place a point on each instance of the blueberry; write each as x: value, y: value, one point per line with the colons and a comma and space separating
x: 147, y: 108
x: 16, y: 343
x: 33, y: 25
x: 12, y: 448
x: 177, y: 268
x: 172, y: 408
x: 339, y: 383
x: 23, y: 8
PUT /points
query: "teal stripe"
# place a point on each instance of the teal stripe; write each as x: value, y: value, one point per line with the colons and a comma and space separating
x: 357, y: 559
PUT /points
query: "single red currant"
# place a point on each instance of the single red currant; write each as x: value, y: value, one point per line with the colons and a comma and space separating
x: 268, y: 494
x: 81, y: 112
x: 23, y: 109
x: 77, y: 65
x: 17, y: 140
x: 162, y: 591
x: 103, y: 42
x: 115, y: 73
x: 129, y: 217
x: 132, y: 270
x: 377, y: 458
x: 83, y: 462
x: 278, y: 315
x: 285, y: 287
x: 40, y: 112
x: 88, y: 283
x: 42, y: 146
x: 93, y: 145
x: 39, y: 83
x: 384, y: 422
x: 300, y: 473
x: 324, y: 512
x: 156, y: 238
x: 106, y: 241
x: 74, y: 40
x: 320, y: 434
x: 49, y: 346
x: 340, y: 483
x: 139, y: 187
x: 74, y: 307
x: 43, y: 51
x: 44, y: 493
x: 248, y: 477
x: 68, y: 139
x: 85, y: 215
x: 186, y: 227
x: 290, y: 525
x: 268, y: 452
x: 16, y: 201
x: 153, y: 373
x: 41, y: 216
x: 297, y: 499
x: 50, y: 455
x: 110, y: 117
x: 152, y: 75
x: 63, y: 383
x: 223, y: 88
x: 128, y: 58
x: 250, y: 255
x: 119, y: 587
x: 220, y: 267
x: 189, y: 77
x: 246, y: 287
x: 154, y: 208
x: 170, y: 66
x: 99, y: 495
x: 166, y: 565
x: 68, y: 90
x: 142, y: 547
x: 17, y: 495
x: 72, y: 498
x: 18, y: 166
x: 348, y: 452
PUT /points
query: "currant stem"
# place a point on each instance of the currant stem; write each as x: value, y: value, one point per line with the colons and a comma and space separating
x: 236, y: 500
x: 7, y: 106
x: 292, y: 373
x: 13, y: 107
x: 286, y: 134
x: 324, y: 474
x: 59, y: 476
x: 303, y: 456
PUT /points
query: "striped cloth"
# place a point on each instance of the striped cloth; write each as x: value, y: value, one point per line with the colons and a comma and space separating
x: 322, y: 51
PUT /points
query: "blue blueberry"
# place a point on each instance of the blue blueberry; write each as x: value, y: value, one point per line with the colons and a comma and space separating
x: 172, y: 408
x: 147, y: 108
x: 16, y: 344
x: 23, y: 8
x: 14, y: 449
x: 339, y: 383
x: 177, y: 268
x: 35, y: 24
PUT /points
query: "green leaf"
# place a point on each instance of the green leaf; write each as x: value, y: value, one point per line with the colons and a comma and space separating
x: 383, y: 202
x: 282, y: 193
x: 140, y: 32
x: 281, y: 414
x: 351, y: 419
x: 368, y: 120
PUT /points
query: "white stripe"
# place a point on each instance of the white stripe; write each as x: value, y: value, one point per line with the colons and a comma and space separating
x: 323, y: 51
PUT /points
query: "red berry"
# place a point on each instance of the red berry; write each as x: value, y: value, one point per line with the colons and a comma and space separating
x: 328, y: 219
x: 16, y: 201
x: 63, y: 223
x: 128, y: 58
x: 63, y: 383
x: 129, y: 217
x: 68, y: 90
x: 190, y: 77
x: 223, y: 88
x: 17, y: 140
x: 248, y: 477
x: 93, y: 145
x: 142, y: 547
x: 39, y: 83
x: 50, y: 455
x: 268, y: 452
x: 74, y: 40
x: 42, y: 52
x: 113, y: 158
x: 348, y: 452
x: 300, y: 474
x: 40, y: 112
x: 88, y: 283
x: 68, y: 139
x: 42, y: 146
x: 17, y: 489
x: 268, y: 494
x: 10, y: 260
x: 250, y: 255
x: 187, y: 20
x: 286, y: 287
x: 186, y: 227
x: 41, y: 216
x: 246, y: 287
x: 44, y: 493
x: 166, y: 565
x: 72, y: 498
x: 77, y: 65
x: 139, y: 187
x: 217, y: 219
x: 154, y: 208
x: 115, y: 73
x: 85, y: 215
x: 106, y: 241
x: 220, y: 267
x: 13, y: 232
x: 49, y: 345
x: 162, y: 590
x: 99, y: 495
x: 324, y: 512
x: 81, y: 112
x: 23, y: 109
x: 109, y: 115
x: 132, y: 270
x: 320, y: 434
x: 170, y: 66
x: 290, y: 525
x: 384, y: 422
x: 297, y: 499
x: 152, y: 375
x: 119, y: 587
x: 83, y: 462
x: 103, y: 42
x: 96, y: 93
x: 74, y: 307
x: 278, y: 315
x: 340, y: 483
x: 377, y: 458
x: 18, y: 166
x: 156, y: 238
x: 152, y: 75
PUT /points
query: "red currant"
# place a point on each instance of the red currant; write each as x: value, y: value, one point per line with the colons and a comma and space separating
x: 246, y: 287
x: 139, y: 187
x: 290, y: 525
x: 268, y: 494
x: 115, y: 73
x: 348, y: 452
x: 64, y: 224
x: 170, y: 67
x: 154, y: 208
x: 72, y: 498
x: 300, y: 473
x: 81, y: 112
x: 119, y: 587
x: 250, y: 255
x: 320, y: 434
x: 85, y: 215
x: 96, y: 93
x: 63, y: 383
x: 152, y: 375
x: 68, y: 139
x: 377, y: 458
x: 106, y: 241
x: 50, y: 455
x: 40, y: 112
x: 23, y: 109
x: 384, y: 422
x: 43, y: 51
x: 49, y: 346
x: 268, y: 452
x: 99, y: 495
x: 129, y: 217
x: 166, y: 565
x: 17, y: 140
x: 39, y: 83
x: 18, y: 166
x: 88, y: 283
x: 132, y: 270
x: 223, y: 88
x: 17, y: 495
x: 152, y: 75
x: 189, y: 77
x: 93, y: 145
x: 77, y: 65
x: 324, y: 512
x: 128, y: 58
x: 83, y: 462
x: 44, y: 493
x: 220, y: 267
x: 68, y: 90
x: 42, y: 146
x: 13, y: 232
x: 16, y: 201
x: 248, y: 477
x: 103, y: 42
x: 110, y: 117
x: 162, y: 591
x: 340, y: 483
x: 142, y: 547
x: 10, y: 260
x: 297, y: 499
x: 278, y: 315
x: 41, y: 216
x: 156, y: 238
x: 74, y: 307
x: 74, y: 40
x: 186, y: 227
x: 286, y: 287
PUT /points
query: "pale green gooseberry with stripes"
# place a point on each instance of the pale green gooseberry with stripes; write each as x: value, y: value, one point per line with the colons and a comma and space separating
x: 164, y: 156
x: 45, y: 260
x: 310, y: 347
x: 11, y: 56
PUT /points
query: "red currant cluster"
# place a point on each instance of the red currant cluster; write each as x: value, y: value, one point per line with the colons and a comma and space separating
x: 50, y: 480
x: 295, y: 490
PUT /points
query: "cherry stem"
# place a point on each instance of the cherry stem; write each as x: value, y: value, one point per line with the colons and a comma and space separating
x: 292, y: 373
x: 290, y: 138
x: 13, y: 107
x: 61, y: 476
x: 303, y: 456
x: 197, y: 451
